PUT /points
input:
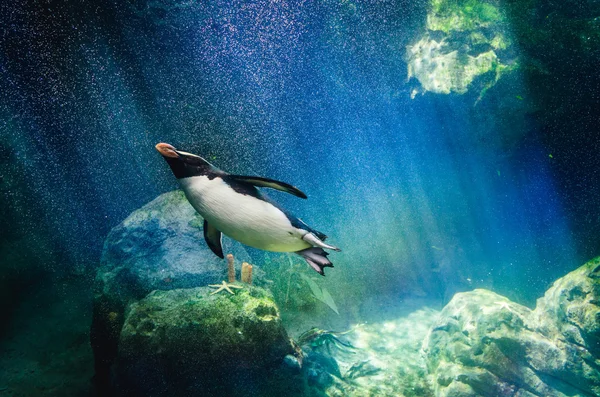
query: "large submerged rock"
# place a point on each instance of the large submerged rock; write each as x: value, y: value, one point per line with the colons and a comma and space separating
x: 158, y: 247
x: 464, y: 40
x: 485, y: 345
x: 572, y: 307
x: 188, y: 342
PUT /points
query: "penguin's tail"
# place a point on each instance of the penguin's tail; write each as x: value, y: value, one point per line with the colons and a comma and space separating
x: 316, y: 257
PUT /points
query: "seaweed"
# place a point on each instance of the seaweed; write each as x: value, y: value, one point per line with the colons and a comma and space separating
x: 320, y: 293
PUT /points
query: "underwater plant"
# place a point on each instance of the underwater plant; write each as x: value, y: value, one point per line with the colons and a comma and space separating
x: 288, y: 287
x: 361, y: 368
x: 320, y: 293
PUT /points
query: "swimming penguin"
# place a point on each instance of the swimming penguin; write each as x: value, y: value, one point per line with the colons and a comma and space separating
x: 233, y: 205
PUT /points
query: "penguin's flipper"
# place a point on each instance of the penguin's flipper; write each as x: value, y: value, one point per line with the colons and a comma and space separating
x: 213, y: 239
x: 273, y: 184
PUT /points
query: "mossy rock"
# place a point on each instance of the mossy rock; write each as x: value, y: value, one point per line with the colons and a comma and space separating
x: 485, y: 345
x: 160, y: 246
x: 189, y: 340
x: 221, y: 329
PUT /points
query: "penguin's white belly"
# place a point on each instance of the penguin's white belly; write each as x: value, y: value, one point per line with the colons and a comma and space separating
x: 244, y: 218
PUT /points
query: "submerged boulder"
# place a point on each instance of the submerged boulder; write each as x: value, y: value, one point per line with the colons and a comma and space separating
x: 189, y: 342
x: 569, y: 313
x: 471, y: 347
x: 157, y: 247
x: 485, y: 345
x: 160, y: 247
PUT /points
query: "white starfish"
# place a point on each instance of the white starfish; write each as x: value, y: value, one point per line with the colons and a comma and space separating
x: 224, y: 286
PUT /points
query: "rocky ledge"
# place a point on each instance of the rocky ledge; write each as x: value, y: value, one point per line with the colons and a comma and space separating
x: 464, y: 41
x: 193, y: 342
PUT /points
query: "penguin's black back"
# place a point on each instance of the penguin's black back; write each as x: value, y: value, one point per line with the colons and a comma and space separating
x: 185, y: 167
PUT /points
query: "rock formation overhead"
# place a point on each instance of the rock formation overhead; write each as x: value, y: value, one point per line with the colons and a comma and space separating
x: 464, y: 40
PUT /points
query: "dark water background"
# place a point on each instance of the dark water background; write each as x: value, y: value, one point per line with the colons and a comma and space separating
x: 426, y: 195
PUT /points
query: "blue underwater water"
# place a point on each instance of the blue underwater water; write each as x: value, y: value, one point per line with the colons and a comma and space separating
x: 427, y: 195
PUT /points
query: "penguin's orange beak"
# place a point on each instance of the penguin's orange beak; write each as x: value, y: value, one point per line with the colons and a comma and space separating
x: 167, y: 150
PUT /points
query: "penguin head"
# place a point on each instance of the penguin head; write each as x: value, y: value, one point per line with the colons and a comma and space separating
x: 185, y: 164
x: 167, y: 150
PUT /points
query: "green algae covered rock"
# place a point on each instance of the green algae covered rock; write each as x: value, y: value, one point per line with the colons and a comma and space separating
x: 187, y: 340
x: 464, y: 41
x: 485, y: 345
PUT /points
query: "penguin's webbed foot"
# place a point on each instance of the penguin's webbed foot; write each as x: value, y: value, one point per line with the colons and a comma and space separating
x: 316, y: 257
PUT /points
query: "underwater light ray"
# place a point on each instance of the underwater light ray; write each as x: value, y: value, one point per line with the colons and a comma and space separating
x: 476, y: 179
x: 503, y: 221
x: 262, y: 91
x: 48, y: 187
x: 120, y: 125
